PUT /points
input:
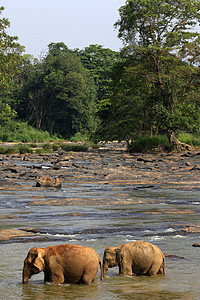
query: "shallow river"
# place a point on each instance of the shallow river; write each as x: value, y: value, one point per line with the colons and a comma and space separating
x: 99, y: 226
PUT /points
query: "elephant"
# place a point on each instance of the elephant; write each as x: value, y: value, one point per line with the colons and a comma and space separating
x: 64, y: 263
x: 140, y: 258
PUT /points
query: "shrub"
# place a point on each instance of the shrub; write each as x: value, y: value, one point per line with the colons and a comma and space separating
x: 46, y: 147
x: 147, y: 143
x: 79, y: 137
x: 189, y: 139
x: 24, y: 149
x: 74, y: 147
x: 21, y: 132
x: 55, y: 147
x: 15, y: 149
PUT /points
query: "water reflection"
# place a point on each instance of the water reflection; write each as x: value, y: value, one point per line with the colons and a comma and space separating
x: 64, y: 291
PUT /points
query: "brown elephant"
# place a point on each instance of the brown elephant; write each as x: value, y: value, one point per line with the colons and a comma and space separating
x: 141, y: 258
x: 63, y: 264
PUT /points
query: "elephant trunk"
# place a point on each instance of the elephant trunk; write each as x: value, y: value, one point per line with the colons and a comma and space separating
x: 105, y: 269
x: 26, y: 275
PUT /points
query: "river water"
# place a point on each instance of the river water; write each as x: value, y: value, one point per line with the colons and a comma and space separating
x: 98, y: 226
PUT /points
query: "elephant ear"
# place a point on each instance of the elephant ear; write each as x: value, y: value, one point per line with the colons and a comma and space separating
x: 119, y: 254
x: 39, y: 260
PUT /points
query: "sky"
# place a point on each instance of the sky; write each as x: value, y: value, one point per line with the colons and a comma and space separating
x: 77, y: 23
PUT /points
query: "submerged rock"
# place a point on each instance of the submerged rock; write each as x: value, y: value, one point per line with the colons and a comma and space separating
x: 192, y: 229
x: 196, y: 245
x: 47, y: 181
x: 7, y: 234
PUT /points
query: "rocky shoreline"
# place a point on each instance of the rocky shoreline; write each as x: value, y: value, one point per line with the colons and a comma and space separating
x: 105, y: 166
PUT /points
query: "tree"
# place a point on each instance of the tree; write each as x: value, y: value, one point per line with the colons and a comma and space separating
x: 10, y: 69
x: 59, y: 93
x: 158, y: 82
x: 99, y: 61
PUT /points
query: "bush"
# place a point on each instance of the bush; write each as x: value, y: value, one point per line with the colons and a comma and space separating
x: 79, y: 137
x: 189, y: 139
x: 74, y: 147
x: 147, y: 143
x: 24, y: 149
x: 15, y: 149
x: 46, y: 147
x: 55, y: 146
x: 21, y: 132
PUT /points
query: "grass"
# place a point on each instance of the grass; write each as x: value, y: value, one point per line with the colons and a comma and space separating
x: 45, y: 148
x: 15, y: 149
x: 147, y: 143
x: 20, y: 132
x: 189, y: 139
x: 79, y: 137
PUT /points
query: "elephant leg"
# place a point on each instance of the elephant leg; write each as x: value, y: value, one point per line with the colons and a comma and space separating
x: 90, y: 274
x: 158, y: 267
x: 155, y: 269
x: 161, y: 270
x: 57, y: 277
x: 94, y: 279
x: 126, y: 269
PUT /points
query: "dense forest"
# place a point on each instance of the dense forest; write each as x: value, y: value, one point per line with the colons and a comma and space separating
x: 150, y: 87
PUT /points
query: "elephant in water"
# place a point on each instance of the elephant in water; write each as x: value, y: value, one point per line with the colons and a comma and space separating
x: 141, y: 258
x: 63, y: 264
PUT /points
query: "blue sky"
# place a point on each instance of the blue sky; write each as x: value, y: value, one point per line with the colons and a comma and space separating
x: 77, y: 23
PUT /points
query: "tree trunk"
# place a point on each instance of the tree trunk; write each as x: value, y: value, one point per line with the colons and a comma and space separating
x: 177, y: 145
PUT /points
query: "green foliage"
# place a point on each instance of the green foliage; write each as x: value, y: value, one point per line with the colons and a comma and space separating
x: 46, y: 146
x: 147, y: 143
x: 10, y: 70
x: 78, y: 137
x: 21, y: 132
x: 156, y: 83
x: 189, y: 139
x: 58, y: 93
x: 22, y: 149
x: 74, y: 147
x: 99, y: 62
x: 6, y: 114
x: 10, y: 58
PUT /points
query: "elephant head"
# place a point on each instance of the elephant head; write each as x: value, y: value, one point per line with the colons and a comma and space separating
x: 110, y: 258
x: 33, y: 263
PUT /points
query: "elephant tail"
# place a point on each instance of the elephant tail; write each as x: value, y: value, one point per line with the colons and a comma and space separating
x: 163, y: 264
x: 101, y: 267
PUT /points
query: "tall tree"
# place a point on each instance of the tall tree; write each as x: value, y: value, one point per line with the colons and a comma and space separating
x: 10, y: 68
x: 60, y: 93
x: 99, y: 61
x: 159, y: 74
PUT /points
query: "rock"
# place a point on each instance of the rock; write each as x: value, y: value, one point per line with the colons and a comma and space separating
x: 47, y: 181
x: 196, y: 245
x: 12, y: 170
x: 195, y: 168
x: 192, y: 229
x: 172, y: 256
x: 7, y: 234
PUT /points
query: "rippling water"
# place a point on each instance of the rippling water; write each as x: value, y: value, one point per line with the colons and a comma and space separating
x: 99, y: 226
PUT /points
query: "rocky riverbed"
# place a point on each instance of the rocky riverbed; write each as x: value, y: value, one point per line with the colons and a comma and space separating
x: 108, y: 166
x: 103, y: 197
